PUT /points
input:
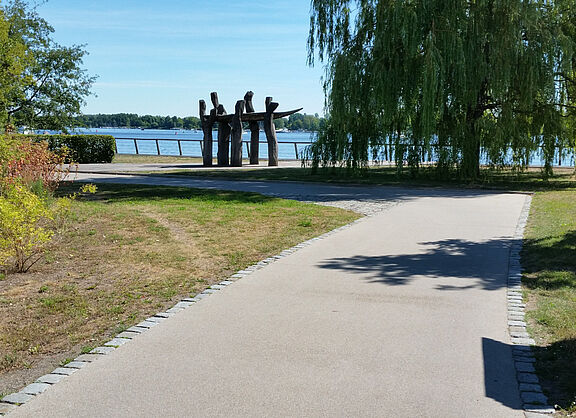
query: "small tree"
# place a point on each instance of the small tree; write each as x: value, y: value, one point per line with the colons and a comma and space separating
x: 447, y: 79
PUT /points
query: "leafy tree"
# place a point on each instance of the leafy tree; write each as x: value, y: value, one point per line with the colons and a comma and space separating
x: 453, y: 80
x: 299, y: 121
x: 50, y: 87
x: 13, y: 60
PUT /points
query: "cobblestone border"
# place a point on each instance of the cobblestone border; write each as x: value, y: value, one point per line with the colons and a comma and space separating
x: 12, y: 401
x: 535, y: 403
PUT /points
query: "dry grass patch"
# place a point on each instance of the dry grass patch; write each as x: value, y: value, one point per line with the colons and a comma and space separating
x: 131, y: 251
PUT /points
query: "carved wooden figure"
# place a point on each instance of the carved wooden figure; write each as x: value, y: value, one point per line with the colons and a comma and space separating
x: 270, y: 131
x: 236, y: 144
x: 218, y: 114
x: 223, y: 133
x: 207, y: 123
x: 254, y: 130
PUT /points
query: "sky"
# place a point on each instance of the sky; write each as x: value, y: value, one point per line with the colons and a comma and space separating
x: 160, y: 57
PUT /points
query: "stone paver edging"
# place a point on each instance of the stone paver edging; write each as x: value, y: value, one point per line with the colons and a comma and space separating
x: 534, y: 401
x: 12, y: 401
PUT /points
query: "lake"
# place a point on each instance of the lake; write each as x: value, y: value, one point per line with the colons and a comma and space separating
x: 190, y: 145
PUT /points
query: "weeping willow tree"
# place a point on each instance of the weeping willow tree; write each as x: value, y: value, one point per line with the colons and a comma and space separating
x: 455, y: 81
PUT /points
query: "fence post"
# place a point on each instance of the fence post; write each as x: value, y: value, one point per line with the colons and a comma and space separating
x: 296, y: 150
x: 136, y: 145
x: 179, y: 148
x: 157, y: 147
x: 248, y: 150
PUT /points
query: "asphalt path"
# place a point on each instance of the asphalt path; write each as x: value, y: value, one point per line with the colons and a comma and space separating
x: 403, y: 314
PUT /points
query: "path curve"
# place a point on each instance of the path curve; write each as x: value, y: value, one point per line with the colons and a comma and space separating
x: 402, y: 314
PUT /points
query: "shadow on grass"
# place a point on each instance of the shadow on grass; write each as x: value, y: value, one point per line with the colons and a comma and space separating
x: 480, y: 264
x: 122, y: 193
x: 553, y: 259
x: 556, y: 367
x: 530, y: 180
x: 323, y: 193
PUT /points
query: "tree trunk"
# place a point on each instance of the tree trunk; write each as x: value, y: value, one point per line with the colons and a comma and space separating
x: 254, y: 130
x: 270, y: 131
x: 471, y: 152
x: 236, y: 153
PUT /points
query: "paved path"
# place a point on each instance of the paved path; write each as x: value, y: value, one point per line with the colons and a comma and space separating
x: 112, y: 168
x: 403, y: 314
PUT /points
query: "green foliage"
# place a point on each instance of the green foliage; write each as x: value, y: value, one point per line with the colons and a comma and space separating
x: 449, y: 81
x: 13, y: 60
x: 42, y: 83
x: 22, y: 233
x: 88, y: 188
x: 81, y: 148
x: 302, y: 121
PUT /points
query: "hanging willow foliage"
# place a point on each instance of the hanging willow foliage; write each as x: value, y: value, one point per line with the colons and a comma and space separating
x: 455, y: 81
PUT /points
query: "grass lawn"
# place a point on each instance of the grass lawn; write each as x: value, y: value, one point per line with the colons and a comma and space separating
x: 131, y: 251
x: 549, y: 260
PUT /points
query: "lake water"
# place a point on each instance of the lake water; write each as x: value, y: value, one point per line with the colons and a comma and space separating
x: 190, y: 145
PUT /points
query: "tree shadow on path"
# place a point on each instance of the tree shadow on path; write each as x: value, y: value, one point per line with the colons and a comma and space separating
x: 484, y: 263
x: 500, y: 381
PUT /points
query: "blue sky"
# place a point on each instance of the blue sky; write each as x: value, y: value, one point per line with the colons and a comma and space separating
x: 161, y: 57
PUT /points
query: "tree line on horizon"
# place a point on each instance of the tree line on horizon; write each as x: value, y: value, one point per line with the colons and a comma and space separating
x: 297, y: 121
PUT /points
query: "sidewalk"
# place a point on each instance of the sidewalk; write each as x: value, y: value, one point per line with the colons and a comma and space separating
x: 403, y: 314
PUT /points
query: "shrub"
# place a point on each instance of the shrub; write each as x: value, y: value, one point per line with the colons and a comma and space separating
x: 29, y: 215
x: 34, y: 165
x: 23, y: 233
x: 82, y: 148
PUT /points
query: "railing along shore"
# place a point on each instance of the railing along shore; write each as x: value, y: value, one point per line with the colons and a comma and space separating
x: 563, y: 156
x: 198, y: 141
